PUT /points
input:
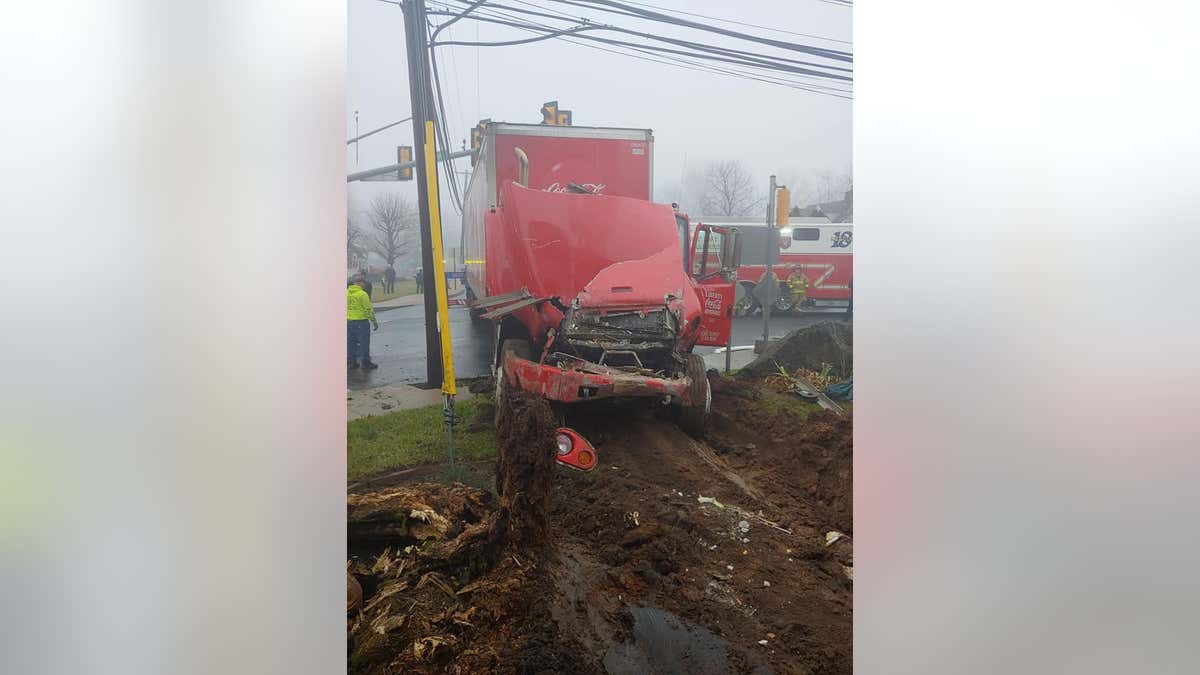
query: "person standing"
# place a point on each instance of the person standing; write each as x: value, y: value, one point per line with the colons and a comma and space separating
x: 389, y: 280
x: 419, y: 277
x: 360, y: 321
x: 365, y: 277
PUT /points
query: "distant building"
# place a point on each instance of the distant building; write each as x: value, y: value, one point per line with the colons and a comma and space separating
x: 841, y: 211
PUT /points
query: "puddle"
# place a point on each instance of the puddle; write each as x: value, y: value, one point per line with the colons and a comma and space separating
x: 665, y: 644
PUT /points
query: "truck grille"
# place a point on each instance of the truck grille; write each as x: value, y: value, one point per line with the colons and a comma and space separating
x: 627, y: 339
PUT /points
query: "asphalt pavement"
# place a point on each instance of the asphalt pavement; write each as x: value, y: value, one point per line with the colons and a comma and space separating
x: 399, y: 348
x: 399, y: 344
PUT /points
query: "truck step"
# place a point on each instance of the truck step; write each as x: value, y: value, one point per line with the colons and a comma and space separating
x: 505, y: 310
x: 501, y: 299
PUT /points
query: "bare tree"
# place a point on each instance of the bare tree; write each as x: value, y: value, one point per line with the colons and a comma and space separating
x: 356, y: 252
x: 393, y: 220
x: 729, y: 190
x: 832, y: 187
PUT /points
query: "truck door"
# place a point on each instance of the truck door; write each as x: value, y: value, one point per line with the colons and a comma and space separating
x: 715, y: 255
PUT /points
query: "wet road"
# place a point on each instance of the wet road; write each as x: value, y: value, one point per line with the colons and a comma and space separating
x: 399, y: 344
x: 399, y: 348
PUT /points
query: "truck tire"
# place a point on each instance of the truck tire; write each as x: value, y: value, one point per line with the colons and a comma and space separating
x: 693, y: 418
x: 748, y: 305
x: 516, y: 347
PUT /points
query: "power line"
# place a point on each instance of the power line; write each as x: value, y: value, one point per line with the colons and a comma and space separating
x: 691, y: 65
x: 702, y: 67
x: 731, y: 21
x: 442, y: 135
x: 474, y: 6
x: 534, y: 27
x: 629, y: 10
x: 672, y: 61
x: 745, y: 55
x: 711, y: 52
x: 509, y: 43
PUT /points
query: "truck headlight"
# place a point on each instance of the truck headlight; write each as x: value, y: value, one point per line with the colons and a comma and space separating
x: 564, y: 443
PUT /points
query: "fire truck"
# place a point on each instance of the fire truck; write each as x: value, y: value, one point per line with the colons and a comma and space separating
x: 814, y: 268
x: 589, y: 284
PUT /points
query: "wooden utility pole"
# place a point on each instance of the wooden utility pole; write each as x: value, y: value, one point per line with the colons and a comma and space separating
x: 422, y: 110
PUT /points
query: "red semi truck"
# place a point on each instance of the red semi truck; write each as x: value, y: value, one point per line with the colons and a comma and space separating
x: 590, y: 284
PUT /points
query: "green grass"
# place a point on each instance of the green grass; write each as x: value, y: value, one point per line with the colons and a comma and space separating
x: 775, y: 402
x: 403, y: 287
x: 387, y: 442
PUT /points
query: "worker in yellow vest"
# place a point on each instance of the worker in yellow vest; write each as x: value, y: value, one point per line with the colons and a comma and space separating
x: 359, y: 315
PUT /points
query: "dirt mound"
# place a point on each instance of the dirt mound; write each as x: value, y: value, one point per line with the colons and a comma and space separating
x: 808, y: 460
x: 733, y: 541
x: 674, y: 555
x: 828, y: 342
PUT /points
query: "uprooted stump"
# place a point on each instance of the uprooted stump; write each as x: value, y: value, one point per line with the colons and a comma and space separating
x: 810, y: 347
x: 413, y: 513
x: 525, y: 469
x: 454, y: 556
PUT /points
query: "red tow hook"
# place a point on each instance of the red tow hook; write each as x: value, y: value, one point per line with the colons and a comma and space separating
x: 574, y: 450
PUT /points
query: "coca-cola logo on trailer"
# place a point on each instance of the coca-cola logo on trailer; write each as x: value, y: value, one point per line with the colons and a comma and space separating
x: 594, y: 188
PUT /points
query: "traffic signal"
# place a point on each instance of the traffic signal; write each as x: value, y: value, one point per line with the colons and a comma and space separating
x: 404, y: 155
x: 550, y: 113
x: 477, y: 138
x: 552, y: 116
x: 783, y: 204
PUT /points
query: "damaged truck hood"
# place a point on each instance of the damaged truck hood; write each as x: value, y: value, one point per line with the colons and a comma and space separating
x: 607, y: 250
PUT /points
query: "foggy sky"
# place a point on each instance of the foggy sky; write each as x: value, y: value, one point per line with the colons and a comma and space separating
x: 696, y: 117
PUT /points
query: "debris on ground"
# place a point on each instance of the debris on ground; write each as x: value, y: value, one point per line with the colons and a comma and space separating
x: 811, y: 348
x: 841, y: 391
x: 684, y: 558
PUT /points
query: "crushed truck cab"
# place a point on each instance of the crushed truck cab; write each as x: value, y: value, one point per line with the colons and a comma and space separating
x: 592, y: 288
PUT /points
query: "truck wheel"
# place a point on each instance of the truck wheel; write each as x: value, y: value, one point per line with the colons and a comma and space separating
x: 516, y: 347
x: 693, y: 418
x: 782, y: 306
x: 750, y: 303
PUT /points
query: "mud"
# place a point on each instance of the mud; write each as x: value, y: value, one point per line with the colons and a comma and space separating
x: 810, y: 347
x: 673, y: 556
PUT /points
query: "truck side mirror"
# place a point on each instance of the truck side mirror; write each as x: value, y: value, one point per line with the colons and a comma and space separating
x: 731, y: 251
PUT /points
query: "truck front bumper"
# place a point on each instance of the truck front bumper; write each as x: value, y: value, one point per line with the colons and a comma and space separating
x: 571, y: 385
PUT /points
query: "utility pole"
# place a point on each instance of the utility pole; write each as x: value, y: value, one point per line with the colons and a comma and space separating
x: 420, y: 93
x: 769, y: 278
x: 439, y: 355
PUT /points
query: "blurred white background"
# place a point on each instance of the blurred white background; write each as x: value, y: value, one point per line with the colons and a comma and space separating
x: 172, y: 421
